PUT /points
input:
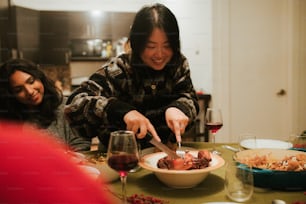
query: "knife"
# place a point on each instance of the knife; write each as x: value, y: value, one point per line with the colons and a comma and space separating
x: 161, y: 146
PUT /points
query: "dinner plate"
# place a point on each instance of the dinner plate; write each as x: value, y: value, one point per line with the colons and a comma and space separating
x: 91, y: 171
x: 265, y: 143
x: 98, y: 160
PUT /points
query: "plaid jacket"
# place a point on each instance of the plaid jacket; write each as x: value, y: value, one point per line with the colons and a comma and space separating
x: 98, y: 105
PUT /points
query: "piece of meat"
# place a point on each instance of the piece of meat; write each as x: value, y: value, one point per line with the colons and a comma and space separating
x: 186, y: 163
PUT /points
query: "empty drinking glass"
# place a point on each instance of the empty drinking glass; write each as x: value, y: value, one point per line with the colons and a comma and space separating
x: 238, y: 182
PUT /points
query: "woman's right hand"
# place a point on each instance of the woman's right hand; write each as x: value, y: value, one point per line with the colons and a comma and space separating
x: 139, y: 124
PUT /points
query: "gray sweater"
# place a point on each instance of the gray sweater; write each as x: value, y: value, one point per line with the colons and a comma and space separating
x: 61, y: 130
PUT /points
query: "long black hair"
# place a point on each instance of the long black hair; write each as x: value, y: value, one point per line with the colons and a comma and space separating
x: 148, y: 18
x: 12, y: 109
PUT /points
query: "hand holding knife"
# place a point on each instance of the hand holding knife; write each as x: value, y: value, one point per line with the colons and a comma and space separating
x: 161, y: 146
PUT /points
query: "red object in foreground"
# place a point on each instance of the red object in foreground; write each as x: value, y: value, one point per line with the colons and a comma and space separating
x: 36, y: 169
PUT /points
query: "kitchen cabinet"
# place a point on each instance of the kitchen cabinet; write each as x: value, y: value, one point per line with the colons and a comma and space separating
x: 20, y: 34
x: 105, y: 25
x: 83, y: 25
x: 4, y: 24
x: 59, y: 28
x: 44, y: 36
x: 54, y: 37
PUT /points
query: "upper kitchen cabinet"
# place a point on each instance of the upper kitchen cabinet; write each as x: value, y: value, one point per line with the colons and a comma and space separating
x: 54, y: 37
x: 86, y: 25
x: 22, y: 33
x: 60, y: 29
x: 4, y: 24
x: 121, y: 23
x: 100, y: 25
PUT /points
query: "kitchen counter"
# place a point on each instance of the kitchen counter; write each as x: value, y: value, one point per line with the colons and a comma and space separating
x: 210, y: 190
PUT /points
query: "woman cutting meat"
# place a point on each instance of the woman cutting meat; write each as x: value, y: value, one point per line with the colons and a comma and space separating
x: 146, y: 90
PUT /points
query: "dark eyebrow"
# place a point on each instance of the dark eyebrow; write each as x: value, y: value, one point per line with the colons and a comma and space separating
x: 28, y: 80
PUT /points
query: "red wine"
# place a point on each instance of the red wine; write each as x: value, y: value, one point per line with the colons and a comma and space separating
x: 123, y: 162
x: 214, y: 127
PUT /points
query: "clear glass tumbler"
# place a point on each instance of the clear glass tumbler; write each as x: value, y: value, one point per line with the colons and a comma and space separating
x: 238, y: 182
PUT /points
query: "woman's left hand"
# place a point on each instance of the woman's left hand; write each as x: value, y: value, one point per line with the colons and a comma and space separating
x: 177, y: 121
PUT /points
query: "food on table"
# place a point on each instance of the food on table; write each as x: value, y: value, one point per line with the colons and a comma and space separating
x: 188, y: 162
x: 288, y: 163
x: 96, y: 159
x: 139, y: 199
x: 299, y: 146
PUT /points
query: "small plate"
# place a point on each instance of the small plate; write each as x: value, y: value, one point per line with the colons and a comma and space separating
x: 265, y: 143
x: 91, y: 171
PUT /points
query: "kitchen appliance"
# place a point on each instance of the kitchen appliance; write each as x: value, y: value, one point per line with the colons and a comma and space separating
x: 91, y: 48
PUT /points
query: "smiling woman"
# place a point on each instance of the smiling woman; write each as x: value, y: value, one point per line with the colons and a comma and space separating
x: 29, y: 96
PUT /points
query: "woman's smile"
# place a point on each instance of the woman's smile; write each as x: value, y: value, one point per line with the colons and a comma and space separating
x: 157, y: 52
x: 26, y: 88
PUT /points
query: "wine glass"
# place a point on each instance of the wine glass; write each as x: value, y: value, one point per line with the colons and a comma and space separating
x: 122, y: 155
x: 213, y: 122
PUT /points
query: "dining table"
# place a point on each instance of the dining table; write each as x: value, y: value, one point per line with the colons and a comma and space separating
x: 144, y: 183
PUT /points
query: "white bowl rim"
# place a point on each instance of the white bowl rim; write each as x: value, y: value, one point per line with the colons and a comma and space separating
x: 217, y: 161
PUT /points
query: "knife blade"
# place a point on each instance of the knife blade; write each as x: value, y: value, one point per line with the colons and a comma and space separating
x: 161, y: 146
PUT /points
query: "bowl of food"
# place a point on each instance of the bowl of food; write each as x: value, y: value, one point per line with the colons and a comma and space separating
x: 275, y: 168
x: 185, y: 172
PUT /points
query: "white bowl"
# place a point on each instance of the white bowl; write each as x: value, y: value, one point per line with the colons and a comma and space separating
x: 87, y: 159
x: 91, y: 171
x: 179, y: 178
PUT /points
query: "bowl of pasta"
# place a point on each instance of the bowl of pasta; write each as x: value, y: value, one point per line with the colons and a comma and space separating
x: 275, y: 168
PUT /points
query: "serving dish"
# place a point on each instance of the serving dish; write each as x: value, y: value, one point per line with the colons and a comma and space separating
x: 265, y: 143
x: 273, y: 179
x: 179, y: 179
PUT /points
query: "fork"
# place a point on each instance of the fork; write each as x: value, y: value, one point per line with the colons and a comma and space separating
x: 179, y: 150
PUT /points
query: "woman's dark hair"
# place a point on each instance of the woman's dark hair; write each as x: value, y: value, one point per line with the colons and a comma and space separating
x: 148, y: 18
x: 12, y: 109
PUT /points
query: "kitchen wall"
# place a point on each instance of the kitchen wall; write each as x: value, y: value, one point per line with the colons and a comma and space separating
x: 194, y: 18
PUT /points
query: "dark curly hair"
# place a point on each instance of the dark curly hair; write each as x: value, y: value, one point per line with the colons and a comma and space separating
x: 12, y: 109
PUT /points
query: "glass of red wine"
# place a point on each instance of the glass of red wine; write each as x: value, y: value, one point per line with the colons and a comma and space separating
x: 213, y: 122
x: 122, y: 155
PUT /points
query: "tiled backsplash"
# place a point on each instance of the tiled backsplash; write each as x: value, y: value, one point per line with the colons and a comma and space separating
x: 60, y: 73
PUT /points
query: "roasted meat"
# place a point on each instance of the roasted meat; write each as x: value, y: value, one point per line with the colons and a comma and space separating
x: 188, y: 162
